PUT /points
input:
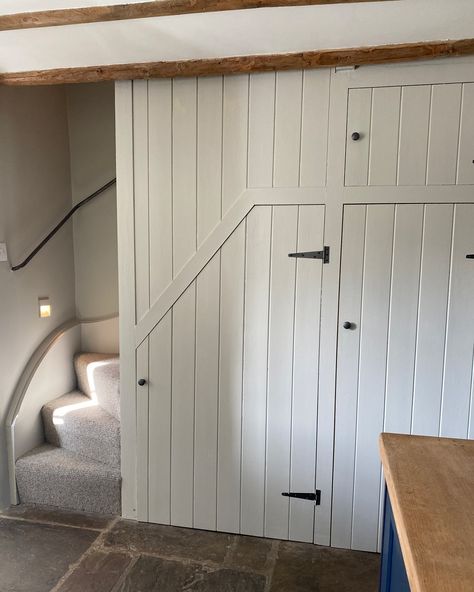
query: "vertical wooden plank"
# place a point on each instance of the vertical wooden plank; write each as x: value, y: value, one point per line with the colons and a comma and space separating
x: 314, y: 127
x: 261, y: 129
x: 159, y: 485
x: 357, y: 152
x: 257, y: 278
x: 352, y: 264
x: 126, y: 263
x: 142, y: 394
x: 184, y: 171
x: 230, y: 381
x: 414, y: 123
x: 286, y: 166
x: 182, y: 409
x: 305, y: 372
x: 435, y: 264
x: 234, y: 149
x: 209, y: 155
x: 372, y: 371
x: 444, y: 134
x: 384, y: 131
x: 460, y: 330
x: 280, y: 370
x: 207, y: 383
x: 140, y: 173
x: 466, y: 140
x: 161, y: 192
x: 403, y: 317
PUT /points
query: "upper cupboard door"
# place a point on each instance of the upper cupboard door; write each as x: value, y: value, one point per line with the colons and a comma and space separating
x: 410, y: 135
x: 405, y: 362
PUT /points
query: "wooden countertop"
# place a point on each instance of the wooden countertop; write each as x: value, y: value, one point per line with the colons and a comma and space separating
x: 431, y: 487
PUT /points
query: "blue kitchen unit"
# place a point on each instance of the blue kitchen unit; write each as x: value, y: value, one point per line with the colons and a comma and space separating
x: 393, y: 576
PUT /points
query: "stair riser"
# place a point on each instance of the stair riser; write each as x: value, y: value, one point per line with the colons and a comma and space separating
x: 96, y: 496
x: 97, y: 444
x: 56, y: 477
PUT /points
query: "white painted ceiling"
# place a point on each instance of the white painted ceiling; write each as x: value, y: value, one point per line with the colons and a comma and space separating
x: 269, y: 30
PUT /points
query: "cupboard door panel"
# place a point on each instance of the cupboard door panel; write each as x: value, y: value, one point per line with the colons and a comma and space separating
x: 352, y: 262
x: 406, y: 364
x: 443, y: 134
x: 182, y: 409
x: 254, y: 396
x: 206, y: 395
x: 159, y: 422
x: 372, y: 360
x: 466, y: 139
x: 433, y: 301
x: 384, y: 136
x: 357, y: 152
x: 458, y: 363
x: 280, y: 357
x: 414, y: 124
x: 230, y: 381
x: 305, y: 372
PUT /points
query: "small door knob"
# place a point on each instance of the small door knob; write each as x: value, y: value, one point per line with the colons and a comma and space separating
x: 347, y: 325
x: 355, y: 136
x: 141, y: 382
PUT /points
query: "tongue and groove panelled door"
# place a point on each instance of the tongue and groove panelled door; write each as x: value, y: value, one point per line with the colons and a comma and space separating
x: 231, y: 399
x: 405, y: 360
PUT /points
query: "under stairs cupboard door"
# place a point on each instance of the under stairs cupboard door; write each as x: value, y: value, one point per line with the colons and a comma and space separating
x: 405, y: 347
x: 228, y: 421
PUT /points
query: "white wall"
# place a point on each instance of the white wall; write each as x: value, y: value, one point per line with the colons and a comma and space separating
x: 34, y: 194
x: 233, y: 33
x: 92, y: 145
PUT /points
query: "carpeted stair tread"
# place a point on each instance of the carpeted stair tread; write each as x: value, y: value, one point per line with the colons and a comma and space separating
x: 57, y: 477
x: 77, y: 423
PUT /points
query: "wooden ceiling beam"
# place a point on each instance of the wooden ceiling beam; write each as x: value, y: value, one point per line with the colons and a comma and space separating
x: 139, y: 10
x: 357, y: 56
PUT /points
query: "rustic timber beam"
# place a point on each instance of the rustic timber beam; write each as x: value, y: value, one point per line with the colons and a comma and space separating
x: 356, y: 56
x: 154, y: 8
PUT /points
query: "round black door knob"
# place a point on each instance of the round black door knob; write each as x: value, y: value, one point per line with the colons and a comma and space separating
x: 141, y: 382
x: 347, y: 325
x: 355, y: 136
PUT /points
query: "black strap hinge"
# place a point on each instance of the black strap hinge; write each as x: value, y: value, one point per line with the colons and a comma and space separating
x: 470, y: 256
x: 312, y: 497
x: 324, y: 255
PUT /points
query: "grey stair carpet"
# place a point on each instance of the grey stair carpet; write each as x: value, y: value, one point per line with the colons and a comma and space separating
x: 79, y: 424
x: 57, y: 477
x: 78, y: 468
x: 98, y: 378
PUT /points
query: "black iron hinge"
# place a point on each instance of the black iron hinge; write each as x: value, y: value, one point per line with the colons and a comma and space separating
x: 312, y: 497
x: 324, y: 255
x: 470, y: 256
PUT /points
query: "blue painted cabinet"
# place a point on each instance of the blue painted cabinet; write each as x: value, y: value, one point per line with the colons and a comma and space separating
x: 393, y: 576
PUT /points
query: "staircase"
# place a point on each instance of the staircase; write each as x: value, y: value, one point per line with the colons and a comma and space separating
x: 78, y: 466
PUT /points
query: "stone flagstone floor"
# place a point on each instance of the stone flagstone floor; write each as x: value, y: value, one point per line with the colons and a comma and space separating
x: 48, y: 550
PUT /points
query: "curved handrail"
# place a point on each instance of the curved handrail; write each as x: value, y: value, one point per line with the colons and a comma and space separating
x: 25, y: 380
x: 61, y: 223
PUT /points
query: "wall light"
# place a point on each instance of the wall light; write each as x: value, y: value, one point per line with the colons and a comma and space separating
x: 44, y: 308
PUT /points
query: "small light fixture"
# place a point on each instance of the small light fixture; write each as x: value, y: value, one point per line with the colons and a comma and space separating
x: 44, y: 308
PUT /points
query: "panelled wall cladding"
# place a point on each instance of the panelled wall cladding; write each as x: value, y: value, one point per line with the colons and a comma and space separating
x: 267, y: 374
